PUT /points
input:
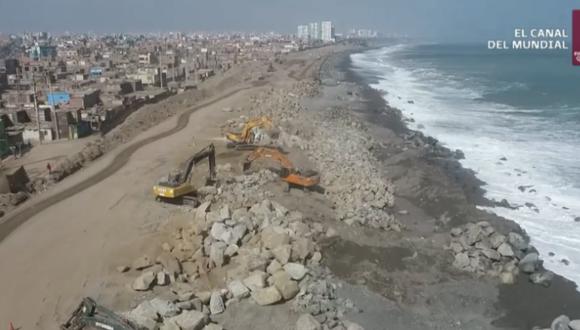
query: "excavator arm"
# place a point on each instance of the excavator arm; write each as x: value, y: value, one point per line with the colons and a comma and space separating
x: 185, y: 174
x: 245, y: 136
x: 288, y: 173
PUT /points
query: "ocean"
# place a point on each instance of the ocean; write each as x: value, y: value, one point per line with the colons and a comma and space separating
x: 516, y: 117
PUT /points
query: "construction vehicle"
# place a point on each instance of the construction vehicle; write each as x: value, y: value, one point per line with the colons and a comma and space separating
x: 177, y: 188
x: 89, y: 315
x: 249, y: 135
x: 288, y: 173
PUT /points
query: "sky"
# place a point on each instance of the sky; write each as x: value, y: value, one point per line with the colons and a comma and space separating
x: 425, y: 19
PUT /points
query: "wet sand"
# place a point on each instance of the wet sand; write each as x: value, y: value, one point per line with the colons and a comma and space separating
x: 431, y: 185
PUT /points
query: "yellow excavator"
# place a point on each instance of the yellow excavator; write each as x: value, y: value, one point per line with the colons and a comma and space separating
x: 288, y: 173
x: 176, y: 188
x: 247, y: 137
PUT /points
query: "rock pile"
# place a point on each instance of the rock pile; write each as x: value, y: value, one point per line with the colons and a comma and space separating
x: 480, y: 249
x: 562, y: 322
x: 338, y: 143
x: 266, y: 253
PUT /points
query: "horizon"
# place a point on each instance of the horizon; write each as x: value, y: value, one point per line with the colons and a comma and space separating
x: 452, y: 20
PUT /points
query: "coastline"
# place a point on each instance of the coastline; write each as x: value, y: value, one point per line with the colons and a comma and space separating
x: 522, y: 305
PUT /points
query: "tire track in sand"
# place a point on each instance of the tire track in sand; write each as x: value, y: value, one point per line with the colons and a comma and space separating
x: 13, y: 221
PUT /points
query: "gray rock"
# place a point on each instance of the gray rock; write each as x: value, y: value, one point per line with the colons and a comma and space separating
x: 231, y: 250
x: 238, y: 289
x: 142, y: 263
x: 201, y: 211
x: 496, y: 240
x: 190, y: 320
x: 302, y: 248
x: 491, y: 254
x: 307, y: 322
x: 456, y: 232
x: 461, y: 261
x: 562, y: 322
x: 162, y: 278
x: 169, y: 325
x: 574, y: 325
x: 295, y: 270
x: 505, y: 249
x: 256, y: 280
x: 170, y: 263
x: 280, y: 210
x: 266, y: 296
x: 517, y: 241
x: 283, y: 253
x: 543, y: 278
x: 273, y: 267
x: 529, y: 263
x: 144, y: 281
x: 288, y: 288
x: 225, y: 213
x: 164, y: 307
x: 274, y: 237
x: 507, y: 278
x: 213, y: 326
x: 473, y: 235
x: 216, y: 303
x: 143, y: 315
x: 218, y: 229
x: 238, y: 232
x: 216, y: 253
x: 352, y: 326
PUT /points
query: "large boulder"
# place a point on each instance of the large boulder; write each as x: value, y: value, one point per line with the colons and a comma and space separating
x: 562, y: 322
x: 255, y: 281
x: 273, y: 237
x: 295, y: 270
x: 496, y: 240
x: 517, y: 241
x: 238, y: 289
x: 506, y: 250
x: 216, y: 303
x: 307, y: 322
x: 473, y: 235
x: 164, y: 307
x: 144, y: 281
x: 461, y: 261
x: 266, y: 296
x: 543, y: 278
x: 529, y: 263
x: 143, y: 315
x: 287, y: 287
x: 189, y: 320
x: 574, y: 325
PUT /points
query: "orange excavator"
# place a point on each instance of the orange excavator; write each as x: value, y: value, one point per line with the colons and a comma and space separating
x: 288, y: 173
x: 248, y: 136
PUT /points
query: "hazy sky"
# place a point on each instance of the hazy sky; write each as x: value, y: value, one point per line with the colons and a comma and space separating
x: 433, y: 19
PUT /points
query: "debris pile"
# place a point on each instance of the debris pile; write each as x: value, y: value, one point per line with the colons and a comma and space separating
x: 265, y: 253
x: 480, y: 249
x: 338, y: 143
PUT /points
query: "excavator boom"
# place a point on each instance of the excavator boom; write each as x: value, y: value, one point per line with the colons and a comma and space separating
x: 245, y: 137
x: 178, y: 185
x: 288, y: 173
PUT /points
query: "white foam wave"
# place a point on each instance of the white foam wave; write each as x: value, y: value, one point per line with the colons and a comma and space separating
x: 519, y: 157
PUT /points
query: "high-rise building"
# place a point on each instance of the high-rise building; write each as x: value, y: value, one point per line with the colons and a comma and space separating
x: 327, y: 31
x: 314, y: 31
x: 303, y: 32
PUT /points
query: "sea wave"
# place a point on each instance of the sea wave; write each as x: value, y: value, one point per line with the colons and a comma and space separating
x: 523, y: 155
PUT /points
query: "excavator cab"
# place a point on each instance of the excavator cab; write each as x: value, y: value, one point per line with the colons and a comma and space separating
x: 176, y: 188
x: 248, y: 137
x: 288, y: 173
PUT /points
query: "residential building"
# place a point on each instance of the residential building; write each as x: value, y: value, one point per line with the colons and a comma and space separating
x: 327, y: 31
x: 314, y: 31
x: 303, y: 33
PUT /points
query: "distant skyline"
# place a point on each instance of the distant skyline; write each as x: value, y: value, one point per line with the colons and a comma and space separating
x: 426, y: 19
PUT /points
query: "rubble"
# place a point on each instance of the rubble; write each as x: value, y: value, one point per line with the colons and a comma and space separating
x: 479, y: 249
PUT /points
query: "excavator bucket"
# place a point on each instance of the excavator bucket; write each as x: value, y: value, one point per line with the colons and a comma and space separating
x: 89, y: 315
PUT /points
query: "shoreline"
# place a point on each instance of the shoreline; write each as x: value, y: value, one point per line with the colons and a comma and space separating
x: 525, y: 305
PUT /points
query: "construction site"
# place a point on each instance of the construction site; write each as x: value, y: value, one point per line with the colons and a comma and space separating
x: 277, y: 195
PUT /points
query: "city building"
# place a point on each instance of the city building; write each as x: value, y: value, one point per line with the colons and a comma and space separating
x: 327, y: 31
x: 314, y: 31
x: 303, y: 32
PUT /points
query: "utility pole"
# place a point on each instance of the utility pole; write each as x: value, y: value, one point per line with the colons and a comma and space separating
x: 40, y: 138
